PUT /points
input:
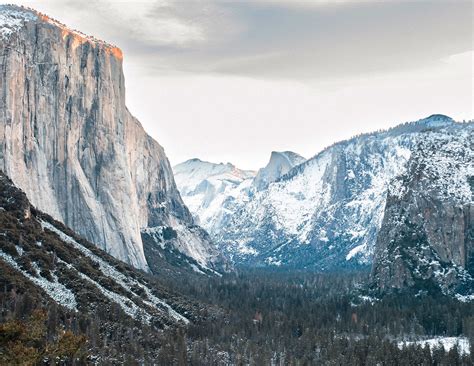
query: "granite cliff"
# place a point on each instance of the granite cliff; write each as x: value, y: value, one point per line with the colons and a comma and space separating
x: 68, y: 140
x: 426, y: 240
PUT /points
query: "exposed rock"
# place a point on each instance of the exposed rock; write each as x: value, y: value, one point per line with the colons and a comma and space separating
x: 68, y: 140
x: 73, y: 272
x: 280, y: 163
x: 427, y: 236
x: 325, y: 213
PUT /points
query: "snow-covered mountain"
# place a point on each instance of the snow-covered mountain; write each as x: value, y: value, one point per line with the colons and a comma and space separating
x: 214, y: 192
x: 209, y: 189
x: 427, y: 236
x: 68, y: 140
x: 326, y: 213
x: 280, y: 163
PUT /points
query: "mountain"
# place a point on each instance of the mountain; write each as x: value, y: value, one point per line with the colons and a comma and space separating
x: 209, y: 189
x: 68, y: 140
x: 326, y: 213
x: 426, y: 240
x: 214, y: 192
x: 280, y: 163
x: 45, y: 265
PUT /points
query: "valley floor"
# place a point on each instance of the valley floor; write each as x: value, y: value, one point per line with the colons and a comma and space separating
x: 257, y: 317
x: 266, y: 317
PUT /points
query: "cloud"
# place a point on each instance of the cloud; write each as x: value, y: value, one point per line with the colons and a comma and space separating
x: 276, y: 39
x: 312, y: 40
x: 248, y: 77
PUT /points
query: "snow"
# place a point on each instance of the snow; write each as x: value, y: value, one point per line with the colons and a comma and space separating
x: 465, y: 298
x: 355, y: 251
x: 339, y: 195
x: 192, y: 173
x: 452, y: 163
x: 12, y: 18
x: 446, y: 342
x: 19, y: 250
x: 368, y: 299
x: 293, y: 201
x: 243, y: 248
x: 294, y: 204
x: 273, y: 261
x: 187, y: 242
x: 208, y: 189
x: 280, y: 163
x: 57, y: 291
x: 126, y: 282
x: 196, y: 269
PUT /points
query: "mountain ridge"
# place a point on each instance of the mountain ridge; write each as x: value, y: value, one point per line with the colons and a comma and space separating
x: 385, y: 151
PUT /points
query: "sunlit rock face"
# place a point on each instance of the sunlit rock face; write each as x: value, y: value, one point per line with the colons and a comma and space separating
x: 68, y: 140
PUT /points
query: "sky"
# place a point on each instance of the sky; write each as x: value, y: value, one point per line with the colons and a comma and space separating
x: 231, y: 81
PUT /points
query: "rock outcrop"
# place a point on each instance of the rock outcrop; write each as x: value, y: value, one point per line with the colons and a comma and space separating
x: 427, y: 236
x: 280, y: 163
x: 68, y: 140
x: 326, y: 213
x: 215, y: 192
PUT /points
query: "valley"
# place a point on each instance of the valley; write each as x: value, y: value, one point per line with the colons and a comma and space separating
x: 362, y: 254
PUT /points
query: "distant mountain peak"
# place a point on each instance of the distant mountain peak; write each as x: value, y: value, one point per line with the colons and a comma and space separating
x: 280, y: 163
x: 436, y: 120
x: 437, y: 117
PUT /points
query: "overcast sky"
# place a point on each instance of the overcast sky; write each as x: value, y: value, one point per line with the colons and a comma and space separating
x: 231, y: 81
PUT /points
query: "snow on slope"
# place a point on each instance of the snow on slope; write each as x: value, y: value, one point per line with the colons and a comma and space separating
x: 327, y: 211
x: 126, y: 282
x: 213, y: 192
x: 56, y: 290
x: 73, y: 272
x: 208, y: 189
x: 12, y: 18
x: 425, y: 241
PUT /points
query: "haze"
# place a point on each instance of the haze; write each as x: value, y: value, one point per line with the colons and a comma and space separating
x: 231, y: 81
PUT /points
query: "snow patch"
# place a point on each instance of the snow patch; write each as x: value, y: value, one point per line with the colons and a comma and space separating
x: 355, y: 251
x: 445, y: 342
x: 126, y: 282
x: 12, y: 19
x: 56, y: 290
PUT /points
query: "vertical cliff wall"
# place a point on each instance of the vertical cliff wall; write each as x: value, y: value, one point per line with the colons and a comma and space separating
x: 427, y: 236
x: 68, y: 140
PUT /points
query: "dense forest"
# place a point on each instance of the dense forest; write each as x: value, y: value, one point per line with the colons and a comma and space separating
x: 306, y: 318
x: 251, y: 318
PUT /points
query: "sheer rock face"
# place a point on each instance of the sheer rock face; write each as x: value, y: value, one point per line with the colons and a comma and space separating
x: 427, y: 233
x: 68, y: 140
x: 280, y: 164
